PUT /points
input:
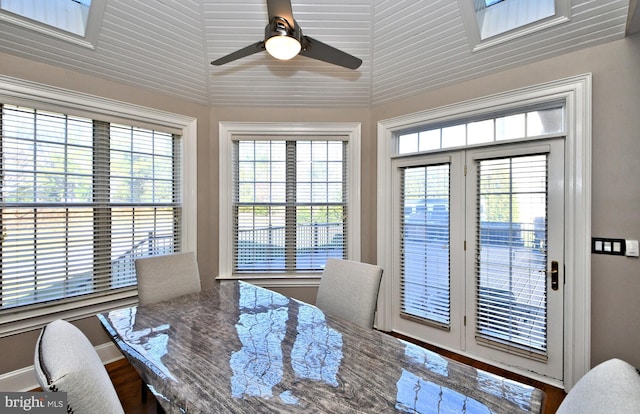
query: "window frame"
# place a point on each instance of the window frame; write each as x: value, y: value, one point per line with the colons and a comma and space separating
x: 227, y: 132
x: 44, y: 97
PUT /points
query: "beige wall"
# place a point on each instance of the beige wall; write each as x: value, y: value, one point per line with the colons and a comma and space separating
x: 616, y: 188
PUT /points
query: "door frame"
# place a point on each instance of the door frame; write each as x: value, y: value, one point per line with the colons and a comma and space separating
x: 575, y: 94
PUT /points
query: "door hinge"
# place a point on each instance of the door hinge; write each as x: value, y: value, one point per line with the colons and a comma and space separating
x: 465, y: 320
x: 465, y: 170
x: 465, y: 245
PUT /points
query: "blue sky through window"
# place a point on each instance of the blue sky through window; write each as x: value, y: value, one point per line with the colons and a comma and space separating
x: 68, y: 15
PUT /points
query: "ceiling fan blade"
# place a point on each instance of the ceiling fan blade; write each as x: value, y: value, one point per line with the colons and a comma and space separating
x: 315, y: 49
x: 246, y: 51
x: 280, y: 8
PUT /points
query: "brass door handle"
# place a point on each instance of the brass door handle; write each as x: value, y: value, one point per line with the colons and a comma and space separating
x: 554, y: 275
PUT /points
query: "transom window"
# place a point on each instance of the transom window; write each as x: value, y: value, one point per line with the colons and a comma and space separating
x: 520, y: 125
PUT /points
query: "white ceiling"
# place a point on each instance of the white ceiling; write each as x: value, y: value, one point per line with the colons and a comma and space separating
x: 407, y: 47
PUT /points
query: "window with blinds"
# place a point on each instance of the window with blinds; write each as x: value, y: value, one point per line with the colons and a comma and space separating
x: 81, y: 199
x: 425, y: 259
x: 289, y: 204
x: 511, y: 256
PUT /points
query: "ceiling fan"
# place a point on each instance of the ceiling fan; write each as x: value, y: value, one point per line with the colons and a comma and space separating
x: 283, y: 39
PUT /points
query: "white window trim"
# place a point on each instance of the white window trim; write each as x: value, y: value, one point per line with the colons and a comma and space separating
x: 19, y: 92
x: 576, y: 93
x: 227, y: 131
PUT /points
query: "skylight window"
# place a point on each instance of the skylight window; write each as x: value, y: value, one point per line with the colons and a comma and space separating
x: 489, y: 22
x: 68, y: 15
x: 76, y: 21
x: 498, y: 17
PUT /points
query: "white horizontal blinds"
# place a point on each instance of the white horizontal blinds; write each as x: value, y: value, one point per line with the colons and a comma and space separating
x: 144, y: 197
x: 46, y: 206
x: 290, y: 204
x: 59, y: 224
x: 259, y: 205
x: 321, y: 202
x: 425, y: 259
x: 511, y: 252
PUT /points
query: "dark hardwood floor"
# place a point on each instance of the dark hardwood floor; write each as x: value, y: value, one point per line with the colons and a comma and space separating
x: 128, y: 383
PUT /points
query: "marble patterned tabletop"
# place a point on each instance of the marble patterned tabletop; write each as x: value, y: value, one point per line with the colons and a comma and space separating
x: 239, y: 348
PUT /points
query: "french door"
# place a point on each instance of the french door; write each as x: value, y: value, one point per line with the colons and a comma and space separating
x: 480, y: 257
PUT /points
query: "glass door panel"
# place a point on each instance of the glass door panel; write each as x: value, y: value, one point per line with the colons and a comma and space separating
x: 515, y: 238
x: 425, y: 244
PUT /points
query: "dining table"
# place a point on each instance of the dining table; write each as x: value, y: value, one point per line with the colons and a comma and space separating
x: 241, y: 348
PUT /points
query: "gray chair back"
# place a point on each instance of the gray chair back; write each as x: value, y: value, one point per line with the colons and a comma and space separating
x: 166, y: 277
x: 611, y: 387
x: 349, y: 289
x: 66, y: 361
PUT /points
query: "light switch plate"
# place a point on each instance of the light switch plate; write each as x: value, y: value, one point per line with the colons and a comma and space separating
x: 603, y: 245
x: 631, y: 248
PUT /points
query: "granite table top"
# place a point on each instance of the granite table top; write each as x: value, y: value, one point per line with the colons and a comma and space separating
x: 239, y: 348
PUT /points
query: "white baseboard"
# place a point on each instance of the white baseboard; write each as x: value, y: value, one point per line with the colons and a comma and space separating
x: 24, y: 379
x: 109, y: 353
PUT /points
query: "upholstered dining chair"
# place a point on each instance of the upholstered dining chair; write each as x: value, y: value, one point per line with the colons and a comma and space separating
x: 349, y: 289
x: 166, y: 277
x: 66, y: 361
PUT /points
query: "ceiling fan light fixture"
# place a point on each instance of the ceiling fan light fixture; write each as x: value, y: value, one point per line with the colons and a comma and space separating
x: 282, y: 47
x: 283, y: 42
